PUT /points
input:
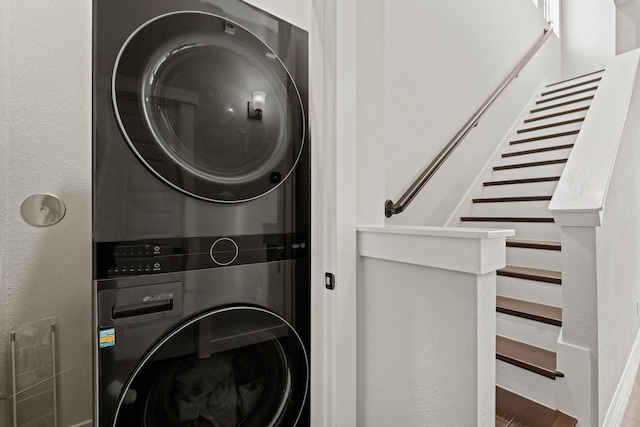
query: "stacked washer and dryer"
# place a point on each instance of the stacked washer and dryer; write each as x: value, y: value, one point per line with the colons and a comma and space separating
x: 201, y: 216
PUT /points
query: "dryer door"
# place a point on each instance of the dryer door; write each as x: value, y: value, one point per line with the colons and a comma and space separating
x: 208, y: 107
x: 240, y: 366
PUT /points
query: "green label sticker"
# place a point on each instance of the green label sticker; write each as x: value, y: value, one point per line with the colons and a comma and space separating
x: 107, y: 338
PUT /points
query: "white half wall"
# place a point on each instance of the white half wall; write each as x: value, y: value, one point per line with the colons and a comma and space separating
x: 596, y: 205
x: 426, y: 339
x: 441, y: 62
x: 618, y: 250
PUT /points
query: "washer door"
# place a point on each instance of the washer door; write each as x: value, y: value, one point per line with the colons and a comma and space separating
x: 208, y: 107
x: 240, y: 366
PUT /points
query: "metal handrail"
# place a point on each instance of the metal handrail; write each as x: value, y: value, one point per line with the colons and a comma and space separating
x: 391, y: 208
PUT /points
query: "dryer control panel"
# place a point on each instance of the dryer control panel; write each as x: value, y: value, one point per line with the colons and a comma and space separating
x: 155, y: 256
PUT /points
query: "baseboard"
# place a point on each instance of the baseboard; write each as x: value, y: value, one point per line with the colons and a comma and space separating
x: 87, y: 423
x: 616, y: 411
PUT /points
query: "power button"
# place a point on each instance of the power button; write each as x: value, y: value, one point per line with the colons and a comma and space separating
x: 224, y: 251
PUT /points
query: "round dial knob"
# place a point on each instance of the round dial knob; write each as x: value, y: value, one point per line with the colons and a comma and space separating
x: 224, y: 251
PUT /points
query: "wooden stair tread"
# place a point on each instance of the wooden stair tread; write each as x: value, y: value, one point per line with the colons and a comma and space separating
x: 521, y: 181
x: 565, y: 95
x: 559, y: 113
x: 512, y: 199
x: 529, y: 310
x: 525, y: 356
x: 530, y: 164
x: 537, y: 150
x: 516, y: 410
x: 574, y: 78
x: 551, y: 125
x: 586, y: 82
x: 505, y: 219
x: 548, y: 136
x: 536, y: 274
x: 533, y: 244
x: 561, y: 104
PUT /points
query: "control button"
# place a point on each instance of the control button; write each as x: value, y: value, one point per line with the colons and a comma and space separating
x: 224, y: 251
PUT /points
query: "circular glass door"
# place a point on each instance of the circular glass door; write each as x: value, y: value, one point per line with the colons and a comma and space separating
x: 239, y: 366
x: 208, y: 107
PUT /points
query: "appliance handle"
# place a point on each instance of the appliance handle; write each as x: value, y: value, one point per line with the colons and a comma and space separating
x: 122, y: 311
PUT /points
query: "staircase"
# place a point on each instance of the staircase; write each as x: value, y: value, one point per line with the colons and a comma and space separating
x: 515, y: 194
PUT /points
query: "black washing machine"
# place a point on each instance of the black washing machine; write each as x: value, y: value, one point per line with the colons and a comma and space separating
x: 201, y: 215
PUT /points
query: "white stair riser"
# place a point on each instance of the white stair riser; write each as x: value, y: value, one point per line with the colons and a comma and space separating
x: 565, y: 87
x: 531, y: 332
x: 537, y: 209
x: 559, y: 108
x: 556, y: 119
x: 542, y: 143
x: 535, y: 231
x: 572, y: 127
x: 536, y: 157
x: 525, y: 383
x: 528, y: 172
x: 514, y: 190
x: 566, y: 98
x: 529, y: 290
x: 534, y: 258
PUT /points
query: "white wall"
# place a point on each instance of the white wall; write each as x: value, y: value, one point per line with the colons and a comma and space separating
x: 45, y: 88
x: 627, y: 25
x: 588, y: 35
x: 441, y: 62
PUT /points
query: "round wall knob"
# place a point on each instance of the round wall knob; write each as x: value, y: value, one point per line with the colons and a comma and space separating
x: 42, y: 210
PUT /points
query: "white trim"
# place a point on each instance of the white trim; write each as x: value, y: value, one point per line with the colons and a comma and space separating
x: 458, y: 232
x: 83, y: 424
x: 583, y: 186
x: 616, y: 411
x: 465, y: 250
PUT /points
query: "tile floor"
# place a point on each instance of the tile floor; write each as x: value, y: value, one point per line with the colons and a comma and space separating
x: 632, y: 414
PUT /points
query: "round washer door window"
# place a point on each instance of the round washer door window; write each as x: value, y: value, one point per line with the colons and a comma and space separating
x: 240, y: 366
x: 208, y: 107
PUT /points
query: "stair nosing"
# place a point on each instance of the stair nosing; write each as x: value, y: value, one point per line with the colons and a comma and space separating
x: 545, y: 369
x: 533, y: 244
x: 562, y: 104
x: 537, y: 150
x: 566, y: 95
x: 530, y: 164
x: 521, y: 181
x: 506, y: 219
x: 556, y: 124
x: 560, y: 113
x: 543, y: 137
x: 530, y: 314
x: 534, y: 274
x: 512, y: 199
x: 586, y: 82
x: 574, y: 78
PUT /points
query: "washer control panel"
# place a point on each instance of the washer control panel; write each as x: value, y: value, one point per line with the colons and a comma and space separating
x: 117, y: 259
